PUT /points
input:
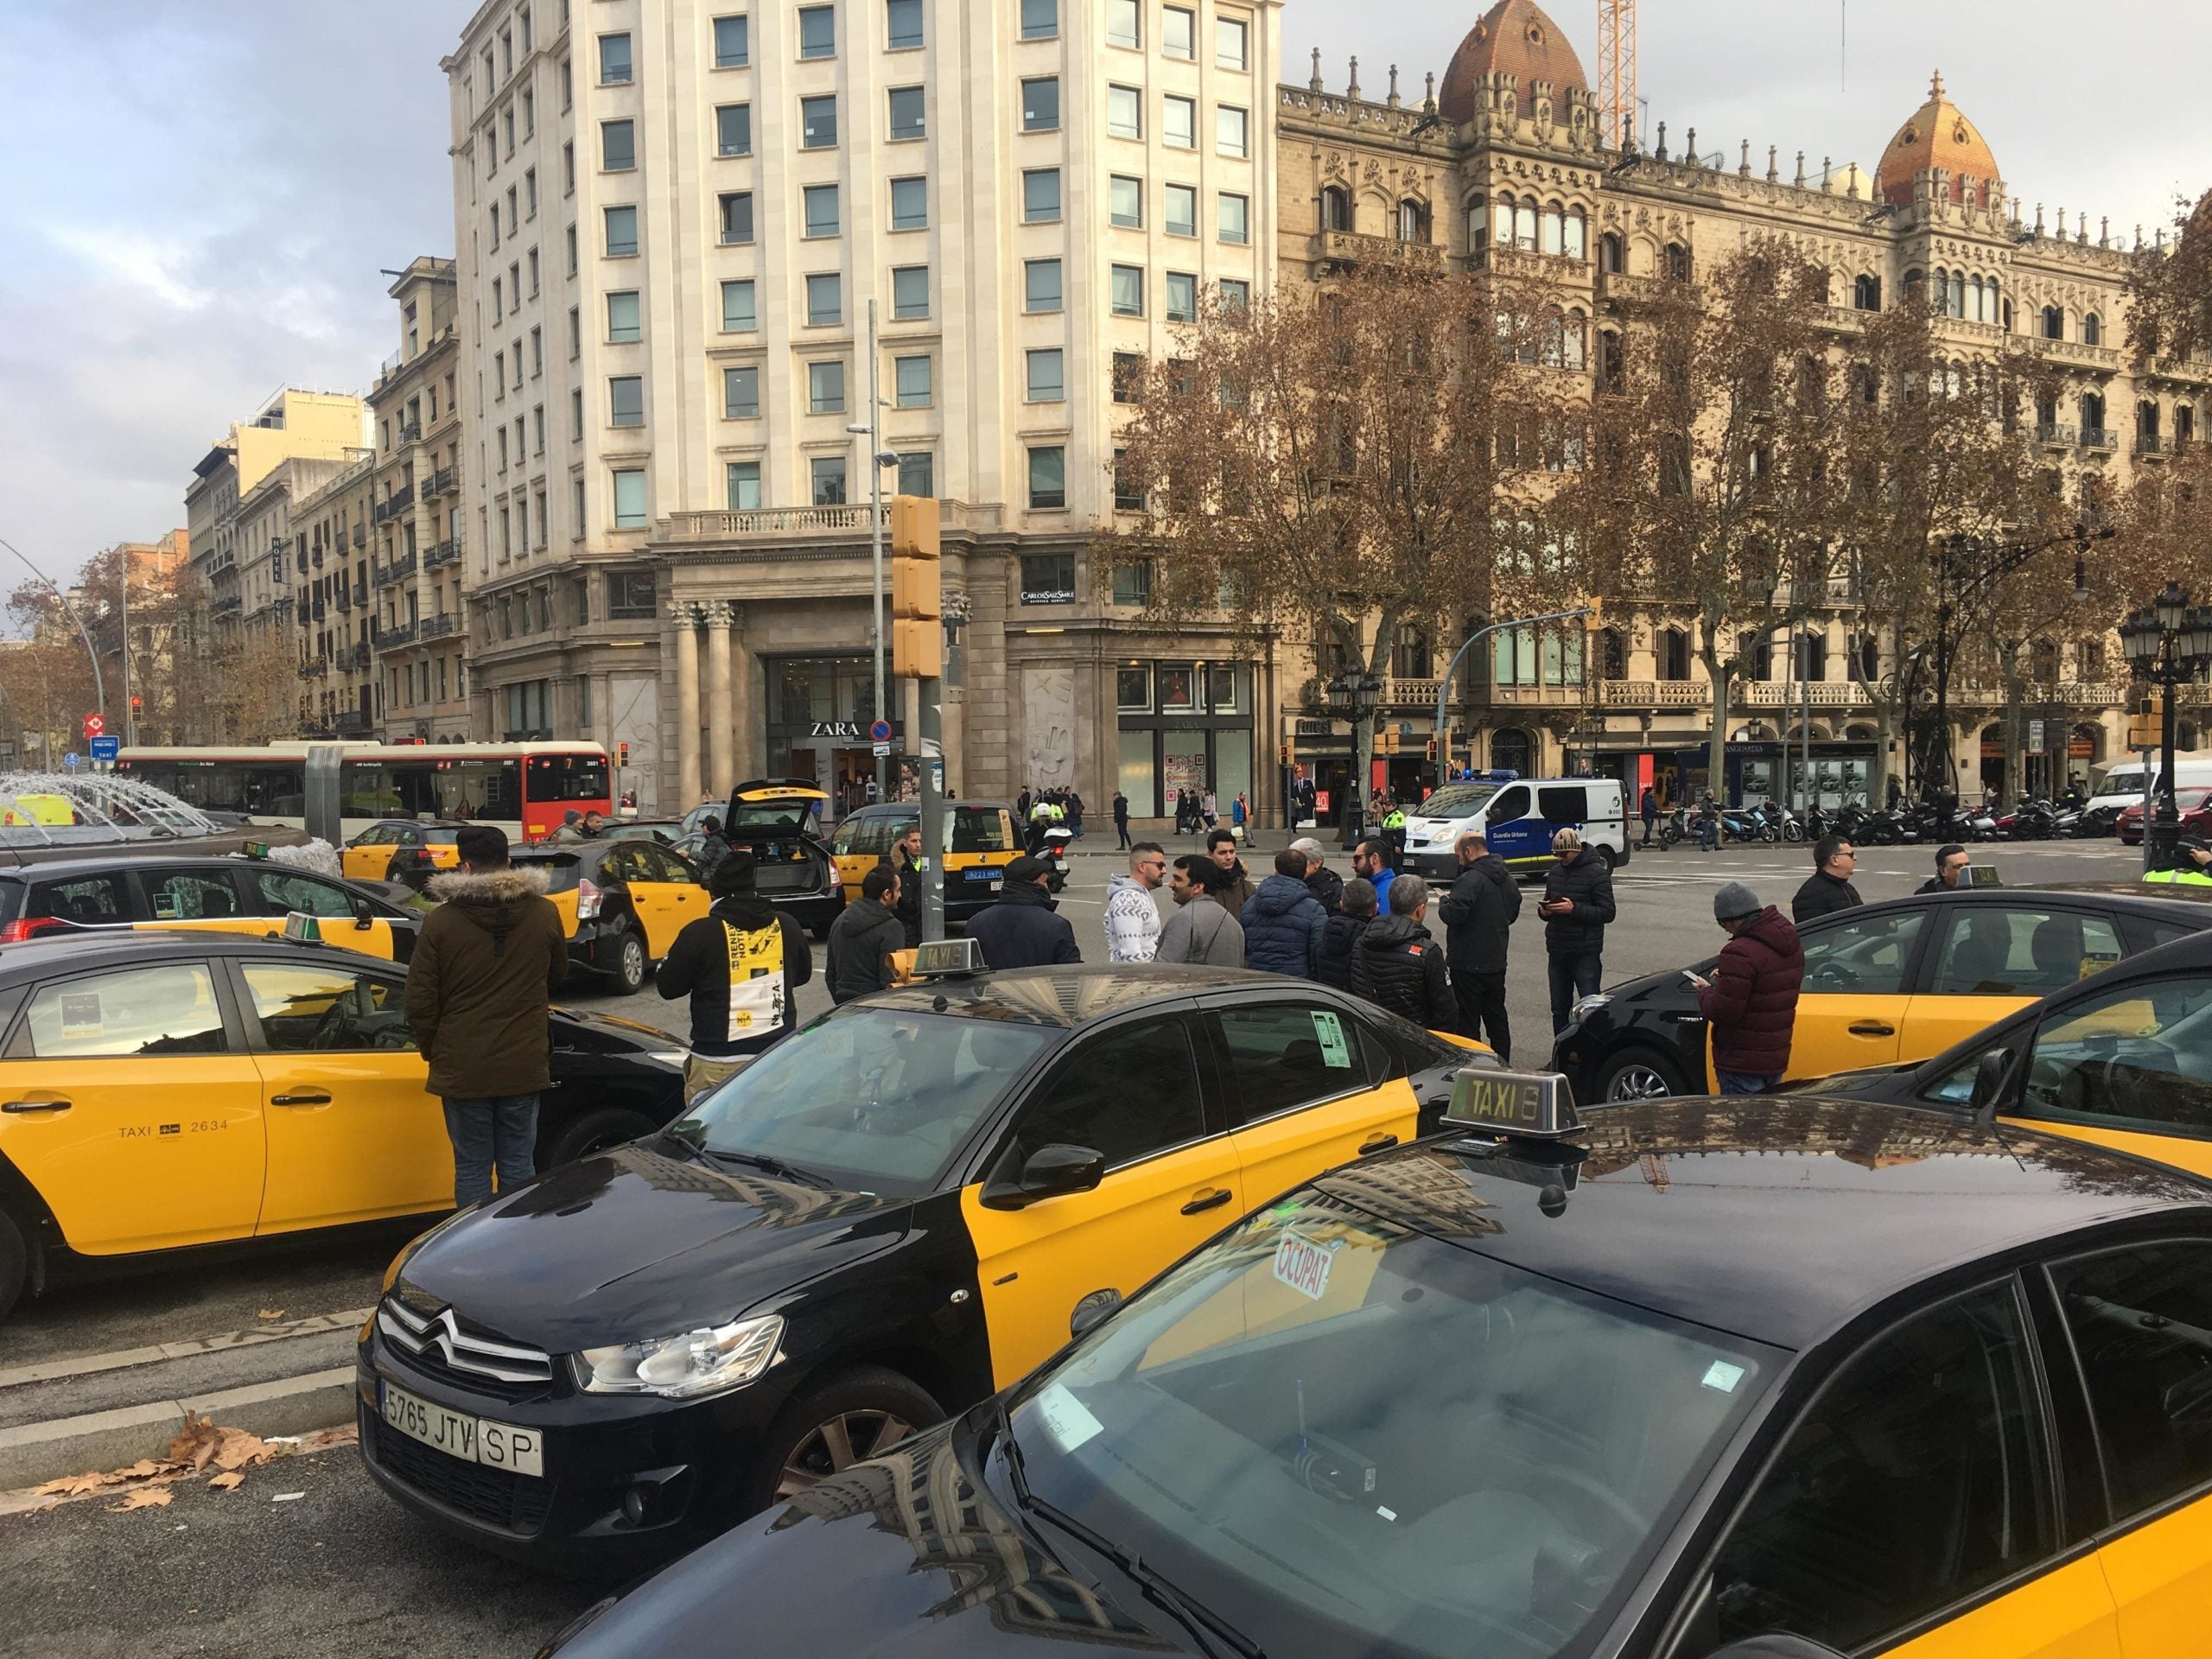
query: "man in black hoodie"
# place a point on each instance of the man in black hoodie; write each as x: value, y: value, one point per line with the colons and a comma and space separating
x: 741, y: 964
x: 1480, y: 910
x: 863, y: 937
x: 1578, y: 905
x: 1020, y: 929
x: 1399, y: 967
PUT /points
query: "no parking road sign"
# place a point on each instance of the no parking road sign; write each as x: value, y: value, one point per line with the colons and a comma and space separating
x: 880, y: 732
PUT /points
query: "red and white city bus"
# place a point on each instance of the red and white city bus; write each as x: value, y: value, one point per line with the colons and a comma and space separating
x: 524, y: 788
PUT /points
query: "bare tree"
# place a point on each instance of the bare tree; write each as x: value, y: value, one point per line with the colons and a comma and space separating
x: 2169, y: 291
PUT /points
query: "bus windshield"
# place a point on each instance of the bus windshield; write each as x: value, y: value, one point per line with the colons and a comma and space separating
x: 567, y: 777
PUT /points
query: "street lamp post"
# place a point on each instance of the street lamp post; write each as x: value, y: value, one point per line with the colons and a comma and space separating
x: 2168, y: 643
x: 879, y: 459
x: 1354, y: 696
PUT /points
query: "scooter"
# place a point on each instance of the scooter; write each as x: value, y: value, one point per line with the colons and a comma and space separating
x: 1058, y: 840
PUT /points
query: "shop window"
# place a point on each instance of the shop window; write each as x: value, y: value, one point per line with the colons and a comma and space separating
x: 1132, y: 681
x: 1048, y: 579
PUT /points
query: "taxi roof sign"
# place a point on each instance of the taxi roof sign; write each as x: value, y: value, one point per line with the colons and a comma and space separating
x: 948, y: 959
x: 1515, y: 1105
x: 303, y: 929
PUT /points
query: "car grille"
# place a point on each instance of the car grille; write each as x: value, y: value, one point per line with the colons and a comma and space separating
x: 437, y: 1347
x: 495, y: 1498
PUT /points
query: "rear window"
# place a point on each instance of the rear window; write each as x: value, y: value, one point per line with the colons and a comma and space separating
x: 874, y: 833
x: 982, y: 829
x: 92, y: 899
x: 562, y: 870
x: 770, y: 817
x: 11, y: 900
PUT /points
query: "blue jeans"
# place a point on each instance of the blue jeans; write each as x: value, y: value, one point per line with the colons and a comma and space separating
x: 1572, y: 976
x: 501, y: 1131
x: 1745, y: 1083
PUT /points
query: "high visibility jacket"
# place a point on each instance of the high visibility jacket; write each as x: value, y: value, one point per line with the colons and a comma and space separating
x: 2179, y: 878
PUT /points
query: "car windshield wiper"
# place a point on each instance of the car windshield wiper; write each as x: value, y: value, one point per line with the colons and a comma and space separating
x: 1206, y: 1626
x: 761, y: 1161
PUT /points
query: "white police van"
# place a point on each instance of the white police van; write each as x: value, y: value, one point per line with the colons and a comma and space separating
x: 1518, y: 817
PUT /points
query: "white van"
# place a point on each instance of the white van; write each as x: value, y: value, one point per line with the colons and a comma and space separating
x: 2122, y: 785
x: 1518, y: 817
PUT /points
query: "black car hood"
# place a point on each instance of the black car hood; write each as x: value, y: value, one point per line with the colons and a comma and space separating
x: 923, y: 1566
x: 1866, y: 1083
x: 634, y: 1242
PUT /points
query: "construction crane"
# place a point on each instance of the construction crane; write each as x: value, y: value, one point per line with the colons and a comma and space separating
x: 1616, y: 104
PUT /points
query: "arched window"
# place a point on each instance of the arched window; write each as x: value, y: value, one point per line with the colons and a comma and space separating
x: 1478, y: 224
x: 1335, y: 208
x: 1510, y: 750
x: 1524, y: 227
x: 2092, y: 416
x: 1672, y: 648
x: 1409, y: 656
x: 1758, y: 653
x: 2007, y: 318
x: 1578, y: 235
x: 1612, y: 654
x: 1551, y: 229
x: 1612, y: 366
x: 1812, y: 657
x: 2043, y: 662
x: 1915, y: 280
x: 2184, y: 422
x: 2146, y: 419
x: 1867, y: 294
x: 1574, y: 342
x: 1675, y: 265
x: 1413, y: 220
x: 2093, y: 330
x: 1863, y: 658
x: 2054, y: 322
x: 1977, y: 301
x: 1612, y: 253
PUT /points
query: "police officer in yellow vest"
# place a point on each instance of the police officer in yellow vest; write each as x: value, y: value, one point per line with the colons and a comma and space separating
x: 742, y: 964
x: 2192, y: 865
x: 1394, y: 832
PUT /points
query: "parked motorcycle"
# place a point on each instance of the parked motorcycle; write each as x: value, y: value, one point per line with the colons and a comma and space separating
x: 1058, y: 840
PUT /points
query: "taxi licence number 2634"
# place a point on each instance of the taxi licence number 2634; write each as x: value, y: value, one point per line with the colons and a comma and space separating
x: 473, y: 1439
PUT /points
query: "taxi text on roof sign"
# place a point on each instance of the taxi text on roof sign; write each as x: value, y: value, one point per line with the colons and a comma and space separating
x: 1536, y: 1105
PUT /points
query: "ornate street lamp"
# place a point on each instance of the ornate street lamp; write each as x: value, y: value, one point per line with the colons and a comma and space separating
x: 2169, y: 644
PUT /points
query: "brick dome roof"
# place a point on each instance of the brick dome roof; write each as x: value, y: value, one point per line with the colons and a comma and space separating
x: 1513, y: 37
x: 1936, y: 136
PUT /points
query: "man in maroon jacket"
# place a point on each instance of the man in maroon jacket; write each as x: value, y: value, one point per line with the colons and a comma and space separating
x: 1751, y: 1003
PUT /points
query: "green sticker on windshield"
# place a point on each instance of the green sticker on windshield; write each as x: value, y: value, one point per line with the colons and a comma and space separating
x: 1336, y: 1052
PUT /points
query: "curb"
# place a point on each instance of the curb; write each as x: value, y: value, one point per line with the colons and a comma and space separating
x: 37, y: 1453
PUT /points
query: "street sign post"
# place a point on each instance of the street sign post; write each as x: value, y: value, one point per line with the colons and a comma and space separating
x: 105, y: 749
x: 94, y: 725
x: 880, y: 733
x: 69, y: 761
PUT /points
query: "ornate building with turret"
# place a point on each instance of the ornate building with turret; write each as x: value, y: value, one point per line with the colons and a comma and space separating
x: 1505, y: 163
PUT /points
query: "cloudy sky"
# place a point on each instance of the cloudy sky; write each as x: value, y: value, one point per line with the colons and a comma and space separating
x: 205, y: 190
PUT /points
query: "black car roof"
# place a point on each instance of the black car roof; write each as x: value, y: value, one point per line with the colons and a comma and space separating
x: 69, y: 869
x: 128, y: 946
x: 1073, y: 995
x: 2187, y: 902
x: 1775, y: 1219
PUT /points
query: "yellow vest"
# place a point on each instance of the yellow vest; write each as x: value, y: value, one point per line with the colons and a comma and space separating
x: 2179, y: 878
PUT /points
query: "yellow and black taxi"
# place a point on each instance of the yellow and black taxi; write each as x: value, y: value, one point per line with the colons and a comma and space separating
x: 2122, y: 1057
x: 164, y: 1091
x: 775, y: 819
x: 401, y: 849
x: 980, y: 841
x: 1695, y: 1379
x: 1885, y: 984
x: 891, y: 1213
x: 244, y: 895
x: 622, y: 903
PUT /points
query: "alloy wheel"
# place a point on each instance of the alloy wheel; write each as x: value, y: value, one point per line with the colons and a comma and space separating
x: 850, y: 1437
x: 1637, y: 1082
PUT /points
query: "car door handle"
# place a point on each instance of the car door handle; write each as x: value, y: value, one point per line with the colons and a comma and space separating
x: 1376, y: 1143
x: 1873, y: 1028
x: 1214, y: 1200
x: 299, y: 1100
x: 1683, y: 1019
x: 56, y: 1103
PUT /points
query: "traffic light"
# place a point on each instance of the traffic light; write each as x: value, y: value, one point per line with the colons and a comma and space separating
x: 1283, y: 754
x: 917, y: 589
x: 621, y: 754
x: 137, y: 705
x: 1597, y: 617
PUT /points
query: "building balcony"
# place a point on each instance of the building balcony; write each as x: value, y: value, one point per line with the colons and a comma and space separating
x: 318, y: 610
x: 314, y: 668
x: 410, y: 434
x: 2058, y: 434
x: 221, y: 561
x: 441, y: 554
x: 391, y: 638
x: 1985, y: 335
x: 1528, y: 696
x: 2099, y: 437
x: 1619, y: 287
x: 1779, y: 694
x: 438, y: 483
x: 1535, y: 267
x: 360, y: 535
x: 2081, y: 356
x: 437, y: 627
x: 2154, y: 444
x: 1411, y: 693
x: 402, y: 565
x: 342, y: 596
x: 352, y: 660
x: 1350, y: 248
x: 225, y: 605
x: 1843, y: 319
x: 1656, y: 694
x: 350, y: 722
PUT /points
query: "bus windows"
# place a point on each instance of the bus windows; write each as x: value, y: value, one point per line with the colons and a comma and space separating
x: 555, y: 777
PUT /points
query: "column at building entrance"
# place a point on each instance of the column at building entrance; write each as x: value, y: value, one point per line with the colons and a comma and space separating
x: 688, y: 788
x: 720, y: 710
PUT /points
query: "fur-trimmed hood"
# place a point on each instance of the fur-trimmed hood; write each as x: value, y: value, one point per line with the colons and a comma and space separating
x: 491, y: 887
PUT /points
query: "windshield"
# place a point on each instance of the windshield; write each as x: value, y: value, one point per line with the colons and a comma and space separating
x: 2121, y: 783
x: 1345, y: 1437
x: 874, y: 1100
x: 1457, y: 801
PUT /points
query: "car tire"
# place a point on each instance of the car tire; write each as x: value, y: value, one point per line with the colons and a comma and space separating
x: 854, y: 1416
x: 15, y: 1263
x: 1639, y: 1074
x: 593, y: 1131
x: 627, y: 960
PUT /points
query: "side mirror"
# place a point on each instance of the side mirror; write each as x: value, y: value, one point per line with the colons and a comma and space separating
x: 1989, y: 1074
x: 1091, y: 1313
x: 363, y: 917
x: 1048, y: 1173
x: 1779, y: 1645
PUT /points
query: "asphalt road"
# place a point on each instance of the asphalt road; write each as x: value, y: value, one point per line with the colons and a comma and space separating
x: 342, y: 1572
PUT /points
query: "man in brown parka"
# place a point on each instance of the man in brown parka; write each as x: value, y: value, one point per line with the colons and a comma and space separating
x: 480, y: 990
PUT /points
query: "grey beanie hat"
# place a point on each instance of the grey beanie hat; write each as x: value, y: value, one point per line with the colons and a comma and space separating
x: 1734, y: 900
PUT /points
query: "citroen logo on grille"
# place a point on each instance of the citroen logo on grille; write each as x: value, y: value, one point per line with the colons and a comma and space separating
x: 415, y: 1334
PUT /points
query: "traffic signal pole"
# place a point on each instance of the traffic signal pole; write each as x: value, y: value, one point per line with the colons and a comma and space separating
x: 1444, y: 686
x: 918, y: 654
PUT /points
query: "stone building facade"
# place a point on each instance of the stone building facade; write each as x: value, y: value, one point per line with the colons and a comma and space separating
x: 1503, y: 163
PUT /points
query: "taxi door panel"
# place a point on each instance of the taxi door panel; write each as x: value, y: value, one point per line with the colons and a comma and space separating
x: 1132, y: 1094
x: 1298, y: 1082
x: 2067, y: 1613
x: 1934, y: 1023
x: 2182, y: 1152
x: 125, y: 1103
x: 1988, y: 961
x: 1858, y: 978
x: 676, y: 896
x: 352, y: 1134
x: 1841, y: 1033
x: 2161, y: 1577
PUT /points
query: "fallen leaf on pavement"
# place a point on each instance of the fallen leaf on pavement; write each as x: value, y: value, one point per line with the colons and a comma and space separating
x: 272, y: 1313
x: 230, y: 1482
x: 146, y: 1497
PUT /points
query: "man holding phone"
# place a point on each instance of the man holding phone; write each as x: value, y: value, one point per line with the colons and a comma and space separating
x: 1749, y: 1004
x: 1577, y: 905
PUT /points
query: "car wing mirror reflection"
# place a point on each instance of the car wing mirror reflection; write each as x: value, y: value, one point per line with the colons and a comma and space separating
x: 1989, y: 1076
x: 1091, y: 1313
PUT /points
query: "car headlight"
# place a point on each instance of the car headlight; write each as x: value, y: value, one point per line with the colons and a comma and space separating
x: 684, y: 1367
x: 1587, y: 1005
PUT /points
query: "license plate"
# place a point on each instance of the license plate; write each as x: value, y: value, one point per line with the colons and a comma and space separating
x: 473, y: 1439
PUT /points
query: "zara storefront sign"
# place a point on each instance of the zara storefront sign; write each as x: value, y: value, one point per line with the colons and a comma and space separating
x: 849, y: 730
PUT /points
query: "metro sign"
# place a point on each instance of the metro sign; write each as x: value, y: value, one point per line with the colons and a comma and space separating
x: 95, y: 725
